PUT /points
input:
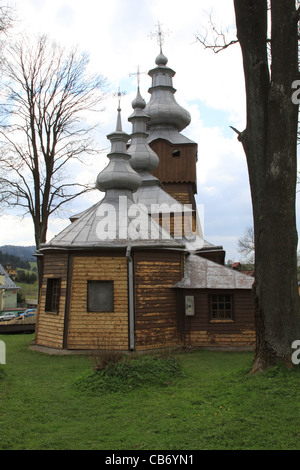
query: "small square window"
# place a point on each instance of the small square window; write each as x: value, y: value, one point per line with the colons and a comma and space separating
x: 52, y: 295
x: 221, y: 307
x: 176, y: 153
x: 100, y: 296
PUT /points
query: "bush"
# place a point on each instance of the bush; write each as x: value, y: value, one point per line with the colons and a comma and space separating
x: 130, y: 373
x: 106, y: 357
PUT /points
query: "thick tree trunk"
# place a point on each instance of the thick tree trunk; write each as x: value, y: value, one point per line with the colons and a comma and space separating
x: 270, y: 143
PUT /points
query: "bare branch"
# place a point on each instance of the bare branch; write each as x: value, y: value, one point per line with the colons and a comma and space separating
x: 246, y: 245
x: 216, y: 47
x: 220, y: 41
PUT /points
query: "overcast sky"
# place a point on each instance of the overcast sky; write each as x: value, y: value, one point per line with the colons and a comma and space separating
x: 117, y: 36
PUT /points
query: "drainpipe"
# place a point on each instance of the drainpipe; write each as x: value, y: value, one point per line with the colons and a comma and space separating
x: 131, y: 298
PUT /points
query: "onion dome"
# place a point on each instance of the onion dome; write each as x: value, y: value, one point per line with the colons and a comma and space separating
x: 161, y: 59
x: 163, y: 109
x: 143, y: 158
x: 118, y: 176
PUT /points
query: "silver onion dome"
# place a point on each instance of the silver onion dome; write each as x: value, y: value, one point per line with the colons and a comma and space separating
x: 163, y: 109
x: 118, y: 175
x: 143, y: 158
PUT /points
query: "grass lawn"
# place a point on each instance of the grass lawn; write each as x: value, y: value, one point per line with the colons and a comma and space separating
x: 214, y: 405
x: 29, y: 291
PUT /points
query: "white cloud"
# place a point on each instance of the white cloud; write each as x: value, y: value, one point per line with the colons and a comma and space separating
x: 16, y: 231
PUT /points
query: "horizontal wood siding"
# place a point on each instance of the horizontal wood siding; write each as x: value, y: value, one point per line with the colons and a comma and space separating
x: 182, y: 192
x: 155, y: 301
x: 98, y: 330
x: 200, y: 330
x: 50, y: 327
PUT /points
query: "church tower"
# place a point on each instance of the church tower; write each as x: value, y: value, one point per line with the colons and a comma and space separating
x: 177, y: 154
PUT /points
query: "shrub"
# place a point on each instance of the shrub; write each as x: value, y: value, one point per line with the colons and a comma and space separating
x: 130, y: 373
x: 106, y: 357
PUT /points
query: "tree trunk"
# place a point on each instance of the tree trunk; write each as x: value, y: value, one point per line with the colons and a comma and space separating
x: 40, y: 229
x: 270, y: 144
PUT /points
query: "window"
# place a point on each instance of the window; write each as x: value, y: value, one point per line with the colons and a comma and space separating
x: 100, y: 296
x: 221, y: 307
x: 176, y: 153
x: 52, y: 295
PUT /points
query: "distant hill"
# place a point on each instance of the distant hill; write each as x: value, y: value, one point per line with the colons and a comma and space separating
x: 22, y: 252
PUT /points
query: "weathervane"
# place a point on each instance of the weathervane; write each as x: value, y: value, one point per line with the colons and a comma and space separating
x: 160, y: 35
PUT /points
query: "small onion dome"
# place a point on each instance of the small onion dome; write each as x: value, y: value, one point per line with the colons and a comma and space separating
x: 138, y: 101
x: 118, y: 174
x: 163, y: 109
x: 161, y: 59
x: 143, y: 158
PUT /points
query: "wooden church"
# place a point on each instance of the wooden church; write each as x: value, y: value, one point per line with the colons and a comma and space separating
x: 133, y: 272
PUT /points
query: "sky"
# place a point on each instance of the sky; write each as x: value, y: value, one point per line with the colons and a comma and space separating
x: 119, y: 36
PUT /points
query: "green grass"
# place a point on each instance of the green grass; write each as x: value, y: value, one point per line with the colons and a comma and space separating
x: 29, y: 291
x: 53, y: 402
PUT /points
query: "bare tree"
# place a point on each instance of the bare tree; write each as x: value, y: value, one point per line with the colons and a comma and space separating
x: 44, y: 127
x: 246, y: 246
x: 270, y: 145
x: 7, y: 17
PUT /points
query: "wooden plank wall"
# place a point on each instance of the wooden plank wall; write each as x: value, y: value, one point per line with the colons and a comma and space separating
x: 50, y: 327
x: 199, y: 330
x: 98, y: 330
x: 182, y: 192
x: 171, y: 169
x: 155, y: 301
x: 177, y: 225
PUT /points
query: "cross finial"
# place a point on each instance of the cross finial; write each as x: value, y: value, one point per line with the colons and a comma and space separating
x: 160, y: 35
x: 119, y: 123
x: 119, y: 94
x: 138, y: 75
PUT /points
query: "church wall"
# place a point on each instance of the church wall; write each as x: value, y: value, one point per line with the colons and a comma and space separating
x: 98, y: 330
x: 172, y: 168
x: 201, y: 330
x: 155, y: 300
x: 50, y: 326
x: 182, y: 192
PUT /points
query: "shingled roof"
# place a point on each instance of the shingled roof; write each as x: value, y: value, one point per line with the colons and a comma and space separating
x: 9, y: 283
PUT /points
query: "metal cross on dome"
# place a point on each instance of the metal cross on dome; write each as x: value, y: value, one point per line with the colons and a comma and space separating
x: 119, y: 94
x: 138, y: 74
x: 160, y: 34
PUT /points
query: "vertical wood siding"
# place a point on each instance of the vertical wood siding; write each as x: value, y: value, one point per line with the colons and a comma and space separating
x: 175, y: 169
